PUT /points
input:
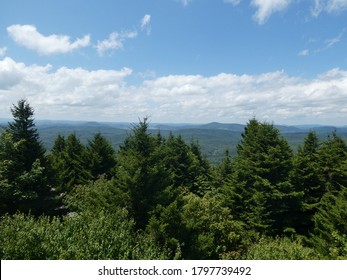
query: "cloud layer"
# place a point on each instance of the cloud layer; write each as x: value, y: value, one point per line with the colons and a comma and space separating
x: 104, y: 95
x: 29, y: 37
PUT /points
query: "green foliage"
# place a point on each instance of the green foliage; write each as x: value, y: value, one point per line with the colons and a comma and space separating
x: 332, y: 162
x: 159, y: 198
x: 102, y: 156
x: 330, y: 231
x: 23, y: 129
x: 196, y: 227
x: 83, y: 236
x: 259, y: 192
x: 100, y: 195
x: 307, y: 178
x: 70, y: 163
x: 24, y: 183
x: 269, y: 248
x: 141, y: 173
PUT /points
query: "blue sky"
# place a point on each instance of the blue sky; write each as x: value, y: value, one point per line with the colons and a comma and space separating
x: 283, y: 61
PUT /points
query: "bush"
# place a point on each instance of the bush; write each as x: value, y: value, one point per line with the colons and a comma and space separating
x: 82, y: 236
x: 279, y: 248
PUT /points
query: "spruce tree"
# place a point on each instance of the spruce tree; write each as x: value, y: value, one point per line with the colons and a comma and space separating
x: 69, y: 162
x: 22, y: 128
x: 141, y: 172
x: 102, y: 157
x: 24, y: 183
x: 330, y: 232
x: 307, y: 178
x: 332, y: 158
x: 260, y: 192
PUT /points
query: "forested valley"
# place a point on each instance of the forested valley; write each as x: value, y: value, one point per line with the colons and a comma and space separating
x: 159, y: 197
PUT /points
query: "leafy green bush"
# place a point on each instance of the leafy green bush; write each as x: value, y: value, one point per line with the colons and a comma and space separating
x: 279, y: 248
x: 81, y: 236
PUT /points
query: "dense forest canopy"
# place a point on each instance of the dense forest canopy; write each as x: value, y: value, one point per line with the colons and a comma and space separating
x: 159, y: 197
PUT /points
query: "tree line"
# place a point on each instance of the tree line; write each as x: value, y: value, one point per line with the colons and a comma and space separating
x: 160, y: 198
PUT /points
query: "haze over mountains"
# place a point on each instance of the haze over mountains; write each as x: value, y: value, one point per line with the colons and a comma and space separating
x: 214, y: 138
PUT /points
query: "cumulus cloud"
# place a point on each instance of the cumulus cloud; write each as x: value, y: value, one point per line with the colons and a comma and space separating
x: 267, y: 7
x: 29, y: 37
x: 105, y: 95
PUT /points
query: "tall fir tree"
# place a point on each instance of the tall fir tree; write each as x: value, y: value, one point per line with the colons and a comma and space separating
x: 102, y: 157
x: 332, y: 158
x: 23, y: 128
x: 307, y: 178
x: 330, y: 232
x: 24, y: 181
x: 260, y: 192
x: 69, y: 162
x: 141, y: 172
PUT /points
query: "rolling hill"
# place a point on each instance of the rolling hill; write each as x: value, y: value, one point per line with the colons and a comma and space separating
x: 214, y: 138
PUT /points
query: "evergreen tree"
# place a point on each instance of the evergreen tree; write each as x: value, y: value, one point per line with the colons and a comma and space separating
x: 22, y: 128
x: 187, y: 167
x: 69, y: 162
x: 24, y: 184
x: 102, y: 156
x: 260, y: 193
x: 141, y: 172
x: 330, y: 231
x: 332, y: 158
x: 307, y: 178
x: 225, y: 167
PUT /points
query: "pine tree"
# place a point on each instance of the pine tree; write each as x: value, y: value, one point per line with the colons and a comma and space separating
x: 102, y: 156
x: 24, y: 183
x: 225, y: 167
x: 141, y: 172
x: 69, y: 162
x: 307, y: 178
x: 330, y: 231
x: 260, y: 192
x: 332, y: 158
x: 22, y: 128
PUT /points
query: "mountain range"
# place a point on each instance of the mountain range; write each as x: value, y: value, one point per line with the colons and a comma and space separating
x: 214, y: 138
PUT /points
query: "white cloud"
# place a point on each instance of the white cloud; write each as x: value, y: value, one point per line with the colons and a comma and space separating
x: 145, y: 21
x: 115, y: 41
x: 234, y: 2
x: 304, y: 52
x: 185, y: 2
x: 336, y: 5
x: 267, y: 7
x: 145, y: 24
x: 3, y: 51
x: 329, y: 6
x: 333, y: 41
x: 29, y: 37
x: 105, y: 95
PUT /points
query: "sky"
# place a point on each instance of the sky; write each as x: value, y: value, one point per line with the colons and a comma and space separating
x: 176, y: 61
